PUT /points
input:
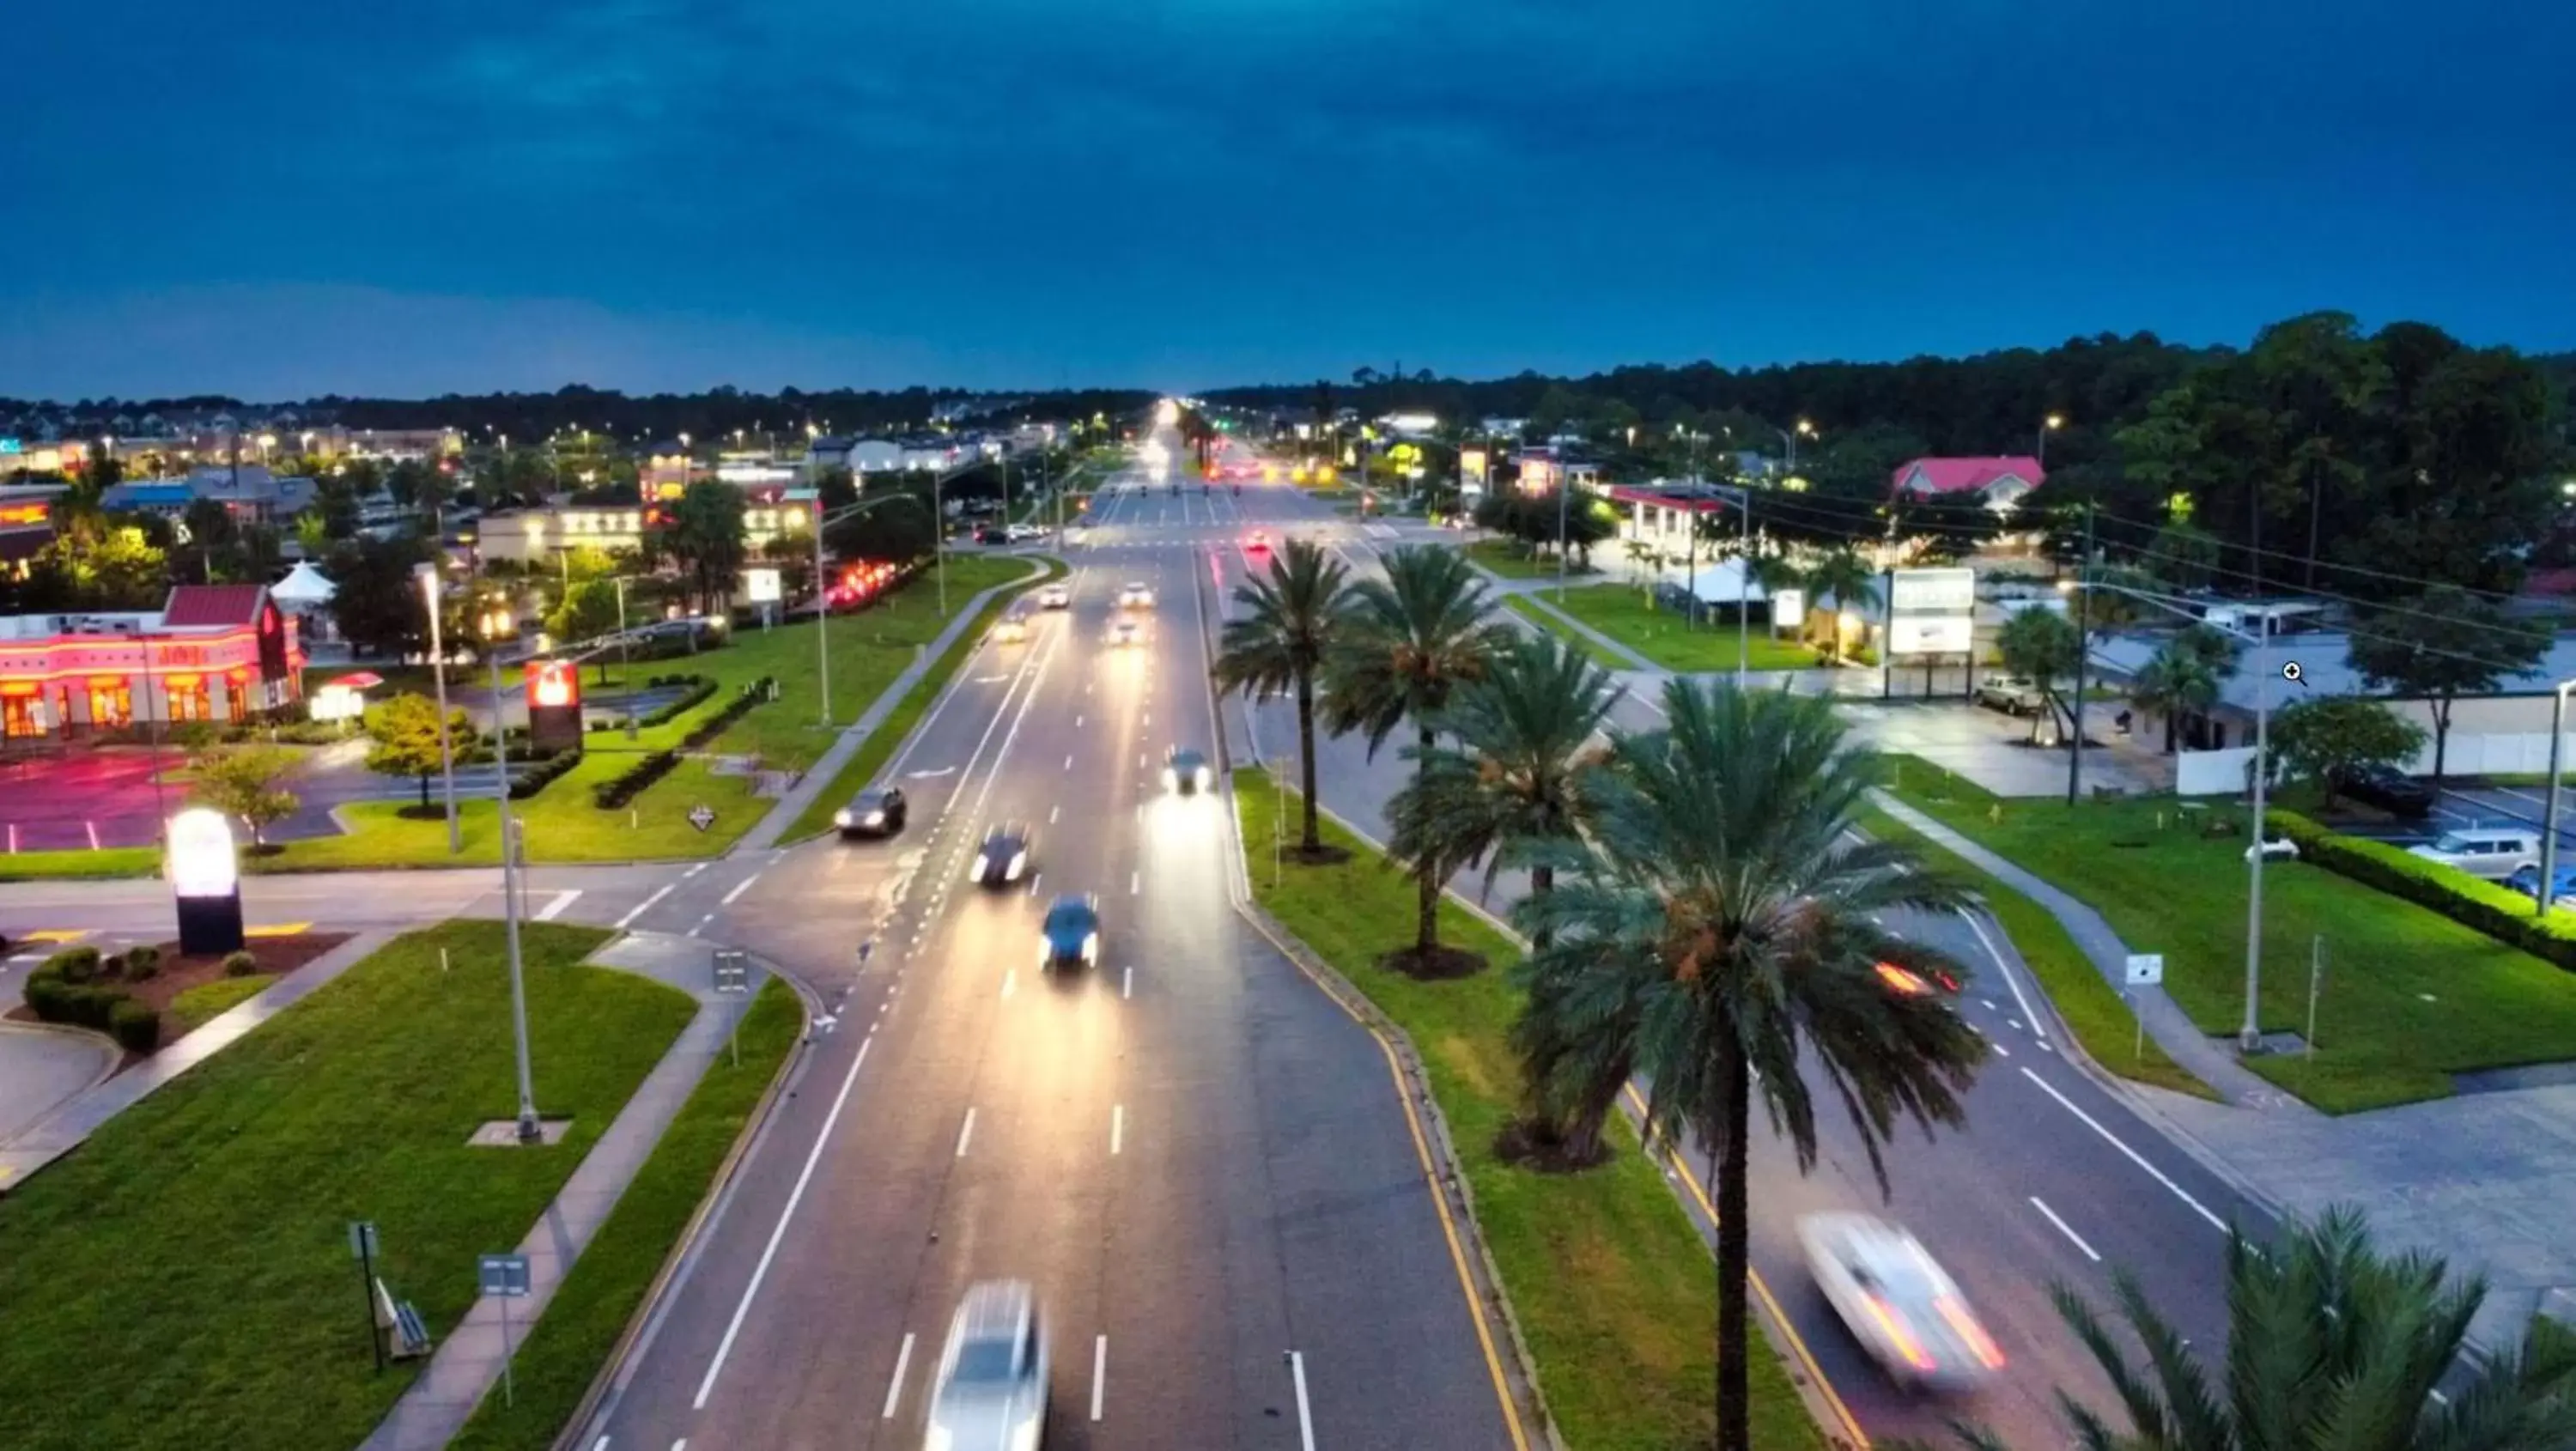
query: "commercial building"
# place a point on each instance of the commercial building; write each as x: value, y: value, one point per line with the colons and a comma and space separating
x: 1998, y: 483
x: 211, y: 653
x: 537, y: 536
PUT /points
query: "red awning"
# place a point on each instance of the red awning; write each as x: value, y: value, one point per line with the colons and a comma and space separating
x: 363, y: 680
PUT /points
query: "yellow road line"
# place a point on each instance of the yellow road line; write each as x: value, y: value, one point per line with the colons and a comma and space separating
x: 279, y: 929
x: 57, y: 934
x: 1761, y: 1290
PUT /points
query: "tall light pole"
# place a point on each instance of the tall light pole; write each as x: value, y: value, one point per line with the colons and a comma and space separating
x: 2047, y: 426
x: 497, y: 626
x: 625, y: 661
x: 1744, y: 590
x: 427, y: 572
x: 2083, y: 632
x: 1791, y: 437
x: 2546, y: 892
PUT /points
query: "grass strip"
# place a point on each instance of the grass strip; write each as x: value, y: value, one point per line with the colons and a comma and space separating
x: 563, y: 1354
x: 184, y: 1278
x: 206, y: 1002
x: 1613, y: 1287
x: 1592, y: 649
x: 1625, y: 614
x: 115, y: 861
x: 1506, y: 558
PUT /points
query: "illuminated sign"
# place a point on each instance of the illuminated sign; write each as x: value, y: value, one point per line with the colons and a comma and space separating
x: 201, y: 854
x: 1788, y: 609
x: 11, y: 445
x: 554, y: 684
x: 16, y: 516
x: 761, y: 586
x: 554, y: 705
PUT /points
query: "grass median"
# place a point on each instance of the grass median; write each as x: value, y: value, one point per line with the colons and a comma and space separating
x: 1598, y: 653
x: 184, y: 1278
x: 1623, y: 613
x: 1510, y: 559
x: 1613, y: 1286
x: 2407, y: 997
x: 889, y: 734
x: 563, y: 1354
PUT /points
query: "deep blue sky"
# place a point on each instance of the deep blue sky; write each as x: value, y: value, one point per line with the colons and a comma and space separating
x: 303, y: 196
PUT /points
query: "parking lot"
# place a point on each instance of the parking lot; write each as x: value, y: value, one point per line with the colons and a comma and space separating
x: 1993, y: 749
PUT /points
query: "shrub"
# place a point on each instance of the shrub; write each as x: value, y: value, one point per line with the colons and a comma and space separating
x: 142, y: 964
x: 86, y: 1004
x: 613, y: 793
x: 536, y: 778
x: 111, y: 968
x: 700, y: 689
x: 240, y: 964
x: 2488, y: 907
x: 73, y: 964
x: 136, y: 1027
x: 754, y: 694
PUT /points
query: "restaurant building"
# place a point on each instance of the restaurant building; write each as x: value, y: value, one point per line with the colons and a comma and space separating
x: 221, y: 652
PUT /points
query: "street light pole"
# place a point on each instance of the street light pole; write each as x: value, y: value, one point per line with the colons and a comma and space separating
x: 822, y: 617
x: 2249, y: 1037
x: 1560, y: 536
x: 1744, y: 590
x: 428, y: 574
x: 2546, y: 892
x: 2083, y: 632
x: 529, y: 1132
x: 625, y: 661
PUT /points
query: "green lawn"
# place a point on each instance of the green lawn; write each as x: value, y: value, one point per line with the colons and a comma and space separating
x: 888, y: 737
x: 1612, y: 1284
x: 560, y: 1358
x: 1601, y: 655
x: 1504, y: 557
x: 2092, y: 1008
x: 2409, y: 997
x: 1623, y: 613
x: 205, y: 1002
x: 184, y: 1280
x: 116, y: 861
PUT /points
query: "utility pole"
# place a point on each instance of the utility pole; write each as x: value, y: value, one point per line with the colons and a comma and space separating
x: 428, y: 575
x: 529, y: 1132
x: 2249, y: 1035
x: 625, y: 661
x: 2083, y: 633
x: 1744, y: 590
x: 1560, y: 533
x: 822, y: 618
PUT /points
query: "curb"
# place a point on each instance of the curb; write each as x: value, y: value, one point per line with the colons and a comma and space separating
x: 115, y: 1062
x: 603, y: 1381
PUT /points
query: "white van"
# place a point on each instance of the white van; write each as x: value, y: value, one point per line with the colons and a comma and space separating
x: 2490, y: 852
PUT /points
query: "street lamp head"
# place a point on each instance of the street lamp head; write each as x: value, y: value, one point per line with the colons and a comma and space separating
x: 1806, y: 428
x: 2056, y: 420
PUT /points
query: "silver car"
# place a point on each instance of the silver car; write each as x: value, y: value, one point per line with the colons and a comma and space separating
x: 1901, y: 1306
x: 990, y: 1393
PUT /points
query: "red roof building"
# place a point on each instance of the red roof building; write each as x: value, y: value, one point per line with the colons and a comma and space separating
x: 214, y: 653
x: 1998, y: 483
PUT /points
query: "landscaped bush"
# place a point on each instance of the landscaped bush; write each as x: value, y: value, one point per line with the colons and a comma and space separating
x: 142, y: 964
x: 240, y: 964
x: 137, y: 1028
x: 700, y: 689
x: 613, y: 793
x: 111, y: 968
x: 72, y: 964
x: 2498, y: 911
x: 89, y: 1005
x: 754, y: 694
x: 534, y: 778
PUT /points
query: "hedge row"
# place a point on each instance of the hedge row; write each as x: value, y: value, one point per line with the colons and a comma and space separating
x: 77, y: 986
x: 700, y: 688
x: 2489, y: 907
x: 756, y: 693
x: 613, y: 793
x: 537, y: 776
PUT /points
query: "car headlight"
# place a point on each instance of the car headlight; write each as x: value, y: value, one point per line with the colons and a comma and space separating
x: 840, y: 818
x: 1091, y: 947
x: 1026, y: 1437
x: 1019, y: 860
x: 875, y: 818
x: 1169, y: 779
x: 1203, y: 778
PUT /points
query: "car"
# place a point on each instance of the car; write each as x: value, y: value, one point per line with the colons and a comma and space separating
x: 990, y: 1390
x: 2385, y: 787
x: 1022, y: 533
x: 992, y: 534
x: 1011, y: 629
x: 1915, y: 982
x: 2494, y: 853
x: 2012, y: 694
x: 876, y: 811
x: 1070, y: 937
x: 1125, y: 633
x: 1186, y: 770
x: 1901, y: 1306
x: 1259, y: 543
x: 1135, y: 594
x: 1057, y: 596
x: 2527, y: 881
x: 1003, y: 856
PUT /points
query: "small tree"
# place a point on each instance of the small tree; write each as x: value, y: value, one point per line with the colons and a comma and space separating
x: 405, y: 730
x: 2041, y: 645
x: 2315, y: 740
x: 589, y: 610
x: 2443, y: 643
x: 244, y: 782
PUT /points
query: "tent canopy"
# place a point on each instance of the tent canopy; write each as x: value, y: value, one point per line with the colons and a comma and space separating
x: 303, y: 586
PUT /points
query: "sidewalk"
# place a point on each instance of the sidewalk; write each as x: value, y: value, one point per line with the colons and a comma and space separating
x: 820, y: 777
x: 70, y: 1126
x: 466, y: 1366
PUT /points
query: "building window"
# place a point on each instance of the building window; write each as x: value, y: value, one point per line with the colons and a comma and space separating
x: 110, y: 705
x: 19, y: 713
x: 188, y: 700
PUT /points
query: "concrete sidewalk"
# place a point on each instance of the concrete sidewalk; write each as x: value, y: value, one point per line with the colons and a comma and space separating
x: 825, y: 771
x: 70, y: 1126
x: 466, y: 1366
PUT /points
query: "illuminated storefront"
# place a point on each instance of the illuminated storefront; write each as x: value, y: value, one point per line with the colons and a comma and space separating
x: 213, y: 653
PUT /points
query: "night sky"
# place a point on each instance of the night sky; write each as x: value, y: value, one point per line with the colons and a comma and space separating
x: 306, y: 196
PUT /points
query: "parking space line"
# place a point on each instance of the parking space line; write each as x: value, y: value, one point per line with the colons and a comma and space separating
x: 1099, y: 1371
x: 2051, y: 1215
x: 1117, y: 1128
x: 894, y: 1388
x: 1305, y: 1419
x: 966, y: 1133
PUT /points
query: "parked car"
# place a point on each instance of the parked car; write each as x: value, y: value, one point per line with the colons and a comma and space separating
x: 2527, y: 881
x: 2012, y: 694
x: 2385, y: 787
x: 2494, y: 853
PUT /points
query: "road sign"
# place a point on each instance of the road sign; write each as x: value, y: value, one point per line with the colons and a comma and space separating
x: 2146, y: 969
x: 702, y: 816
x: 733, y: 970
x: 362, y: 1240
x: 504, y: 1275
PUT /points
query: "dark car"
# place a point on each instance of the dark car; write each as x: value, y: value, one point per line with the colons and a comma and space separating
x: 2390, y: 790
x: 877, y: 811
x: 1071, y: 936
x: 1003, y: 856
x: 1186, y: 771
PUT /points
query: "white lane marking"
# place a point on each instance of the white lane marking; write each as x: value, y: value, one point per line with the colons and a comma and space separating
x: 644, y: 906
x: 554, y: 909
x: 966, y: 1133
x: 1099, y: 1371
x: 1135, y: 883
x: 1052, y: 813
x: 2000, y: 1050
x: 599, y: 1445
x: 1010, y: 982
x: 1068, y: 760
x: 1305, y: 1419
x: 1034, y: 879
x: 2134, y: 1156
x: 702, y: 924
x: 894, y: 1388
x: 693, y: 871
x: 2036, y: 1023
x: 680, y: 1445
x: 1148, y: 719
x: 739, y: 888
x: 1117, y: 1128
x: 1140, y: 760
x: 1126, y: 981
x: 769, y: 1252
x: 1077, y: 722
x: 2042, y: 1206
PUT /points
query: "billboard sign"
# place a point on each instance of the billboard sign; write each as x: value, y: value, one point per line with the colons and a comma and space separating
x: 1935, y: 591
x: 554, y: 706
x: 1788, y: 609
x: 1472, y: 466
x: 761, y: 586
x: 1932, y: 612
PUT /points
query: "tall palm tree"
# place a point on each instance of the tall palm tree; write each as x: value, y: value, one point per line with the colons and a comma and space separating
x: 1405, y: 643
x: 2332, y: 1346
x: 1846, y: 576
x: 1279, y: 642
x: 2183, y: 676
x: 1722, y: 941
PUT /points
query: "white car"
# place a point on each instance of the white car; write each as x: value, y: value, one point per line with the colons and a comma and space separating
x: 1135, y: 594
x: 990, y: 1391
x: 2491, y: 852
x: 1900, y: 1305
x: 1126, y: 632
x: 1022, y: 533
x: 1057, y: 596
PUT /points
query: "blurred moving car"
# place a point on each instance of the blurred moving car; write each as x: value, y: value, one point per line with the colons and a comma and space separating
x: 1186, y: 770
x: 1135, y: 594
x: 1056, y: 596
x: 1126, y: 632
x: 1003, y: 856
x: 1070, y: 937
x: 1021, y: 533
x: 1011, y: 629
x: 1898, y: 1302
x: 2385, y: 787
x: 1259, y: 543
x: 876, y: 811
x: 1917, y: 982
x: 990, y: 1390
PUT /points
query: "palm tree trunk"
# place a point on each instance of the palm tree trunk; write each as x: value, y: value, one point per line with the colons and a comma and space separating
x: 1734, y: 1251
x: 1426, y: 939
x: 1313, y: 841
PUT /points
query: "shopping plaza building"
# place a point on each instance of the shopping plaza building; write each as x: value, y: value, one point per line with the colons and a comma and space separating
x: 211, y: 653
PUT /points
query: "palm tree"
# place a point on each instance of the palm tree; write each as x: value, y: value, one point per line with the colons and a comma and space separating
x: 1722, y: 940
x: 1405, y: 643
x: 2183, y: 676
x: 1278, y: 643
x: 2331, y: 1347
x: 1849, y: 579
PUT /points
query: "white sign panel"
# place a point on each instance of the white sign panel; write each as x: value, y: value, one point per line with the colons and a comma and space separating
x: 2146, y: 969
x: 201, y: 860
x: 1788, y: 608
x: 760, y: 586
x: 1930, y: 635
x: 1935, y: 591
